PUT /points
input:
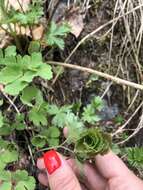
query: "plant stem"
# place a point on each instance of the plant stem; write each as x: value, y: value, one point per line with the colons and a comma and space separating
x: 101, y: 74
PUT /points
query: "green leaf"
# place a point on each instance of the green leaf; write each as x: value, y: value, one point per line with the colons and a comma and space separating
x: 119, y: 119
x: 34, y: 47
x: 1, y: 120
x: 116, y: 149
x: 62, y: 30
x: 10, y: 51
x: 52, y: 109
x: 36, y: 61
x: 10, y: 74
x: 9, y: 156
x: 26, y: 185
x: 14, y: 88
x: 89, y: 115
x: 134, y: 157
x: 97, y: 103
x: 20, y: 175
x: 38, y: 116
x: 39, y: 141
x: 3, y: 144
x: 9, y: 61
x: 30, y: 18
x: 60, y: 114
x: 75, y: 126
x: 92, y: 141
x: 39, y: 99
x: 5, y: 175
x: 6, y: 130
x: 53, y: 142
x: 28, y: 76
x: 56, y: 33
x: 19, y: 122
x: 6, y: 186
x: 59, y: 120
x: 54, y: 132
x: 29, y: 94
x: 45, y: 72
x: 20, y: 71
x: 2, y: 165
x: 89, y: 112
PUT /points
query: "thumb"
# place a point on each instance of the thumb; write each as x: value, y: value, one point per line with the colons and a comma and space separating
x: 60, y: 175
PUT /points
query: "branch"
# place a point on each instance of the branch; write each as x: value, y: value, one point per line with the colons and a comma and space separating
x: 101, y: 74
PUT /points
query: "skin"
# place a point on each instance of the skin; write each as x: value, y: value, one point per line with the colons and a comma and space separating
x: 109, y: 173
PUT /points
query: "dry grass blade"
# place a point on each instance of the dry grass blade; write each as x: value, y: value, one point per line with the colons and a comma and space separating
x: 101, y: 74
x: 99, y: 29
x: 120, y: 130
x: 139, y: 127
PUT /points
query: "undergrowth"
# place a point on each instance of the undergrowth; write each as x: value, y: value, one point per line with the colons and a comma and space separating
x: 32, y: 123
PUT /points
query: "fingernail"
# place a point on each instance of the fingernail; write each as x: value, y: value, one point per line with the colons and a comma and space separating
x: 52, y: 161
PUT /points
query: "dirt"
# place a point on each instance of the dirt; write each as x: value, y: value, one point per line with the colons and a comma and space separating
x: 94, y: 53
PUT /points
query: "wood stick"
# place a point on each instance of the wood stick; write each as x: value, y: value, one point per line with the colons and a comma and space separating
x: 101, y: 74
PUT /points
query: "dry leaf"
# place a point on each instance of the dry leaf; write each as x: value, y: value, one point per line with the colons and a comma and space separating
x: 37, y: 32
x: 4, y: 39
x: 76, y: 23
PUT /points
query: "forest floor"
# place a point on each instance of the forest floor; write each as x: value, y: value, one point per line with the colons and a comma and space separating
x: 106, y: 42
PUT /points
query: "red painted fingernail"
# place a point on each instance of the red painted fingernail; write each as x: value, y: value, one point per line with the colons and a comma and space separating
x: 52, y: 161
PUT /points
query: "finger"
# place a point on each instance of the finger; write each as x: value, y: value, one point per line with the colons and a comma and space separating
x: 65, y: 132
x: 60, y: 175
x: 40, y: 164
x: 42, y: 177
x: 91, y: 177
x: 94, y: 180
x: 83, y: 187
x: 110, y: 165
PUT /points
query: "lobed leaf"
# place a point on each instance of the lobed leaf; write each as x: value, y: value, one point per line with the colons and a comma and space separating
x: 55, y: 34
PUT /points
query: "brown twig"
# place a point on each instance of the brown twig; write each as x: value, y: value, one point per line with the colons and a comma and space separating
x: 139, y: 127
x: 101, y: 74
x: 120, y: 130
x: 93, y: 33
x: 100, y: 28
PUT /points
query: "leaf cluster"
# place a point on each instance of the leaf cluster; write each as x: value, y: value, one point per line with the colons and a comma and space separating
x: 12, y: 180
x: 49, y: 136
x: 91, y: 142
x: 8, y: 153
x: 90, y: 112
x: 13, y: 20
x: 18, y: 71
x: 21, y: 17
x: 135, y: 157
x: 56, y: 34
x: 18, y: 180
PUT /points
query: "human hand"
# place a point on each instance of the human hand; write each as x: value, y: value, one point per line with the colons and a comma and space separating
x: 109, y: 173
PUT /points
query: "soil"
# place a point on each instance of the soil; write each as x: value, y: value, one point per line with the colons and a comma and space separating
x: 72, y: 86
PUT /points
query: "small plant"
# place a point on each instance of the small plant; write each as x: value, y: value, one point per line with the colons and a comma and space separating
x: 87, y: 142
x: 135, y: 157
x: 18, y: 71
x: 26, y: 117
x: 92, y: 142
x: 18, y: 179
